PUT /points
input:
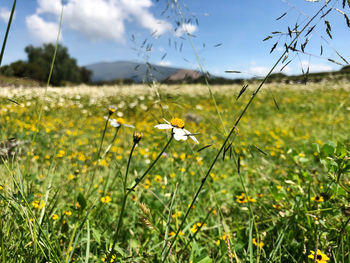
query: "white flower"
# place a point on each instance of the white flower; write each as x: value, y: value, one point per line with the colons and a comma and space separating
x: 118, y: 122
x: 177, y: 125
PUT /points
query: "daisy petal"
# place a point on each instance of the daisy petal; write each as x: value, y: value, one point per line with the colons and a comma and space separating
x: 114, y: 123
x: 163, y: 126
x: 191, y: 136
x: 179, y: 134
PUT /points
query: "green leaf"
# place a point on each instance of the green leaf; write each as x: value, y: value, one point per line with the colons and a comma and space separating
x: 204, y: 259
x: 82, y: 201
x: 328, y: 149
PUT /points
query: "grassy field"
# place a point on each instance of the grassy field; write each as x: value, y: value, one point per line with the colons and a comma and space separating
x: 78, y: 188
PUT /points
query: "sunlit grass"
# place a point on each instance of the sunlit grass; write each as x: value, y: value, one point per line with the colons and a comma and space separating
x: 75, y: 199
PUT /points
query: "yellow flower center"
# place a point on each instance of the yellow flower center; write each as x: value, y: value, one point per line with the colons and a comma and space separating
x: 120, y: 120
x: 178, y: 123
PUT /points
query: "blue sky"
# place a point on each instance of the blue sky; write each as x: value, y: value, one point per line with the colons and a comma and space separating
x: 102, y: 30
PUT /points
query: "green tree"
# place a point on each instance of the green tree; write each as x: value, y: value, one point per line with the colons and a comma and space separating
x: 65, y: 68
x: 38, y: 66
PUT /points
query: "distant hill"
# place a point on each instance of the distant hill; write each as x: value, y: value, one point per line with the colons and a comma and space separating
x: 184, y: 74
x: 126, y: 70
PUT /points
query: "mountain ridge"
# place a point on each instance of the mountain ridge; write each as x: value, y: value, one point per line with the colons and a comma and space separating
x: 129, y: 70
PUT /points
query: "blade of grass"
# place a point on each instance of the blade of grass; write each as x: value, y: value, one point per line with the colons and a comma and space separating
x: 7, y: 30
x: 87, y: 254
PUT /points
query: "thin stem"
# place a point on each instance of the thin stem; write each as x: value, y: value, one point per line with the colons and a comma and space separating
x: 7, y: 30
x: 111, y: 143
x: 233, y: 129
x: 103, y: 136
x: 126, y: 193
x: 251, y: 212
x: 50, y: 73
x: 150, y: 167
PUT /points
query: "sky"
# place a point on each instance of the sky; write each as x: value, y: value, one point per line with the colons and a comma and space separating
x: 216, y: 35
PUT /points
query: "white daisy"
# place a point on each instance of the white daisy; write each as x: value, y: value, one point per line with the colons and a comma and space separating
x: 177, y: 125
x: 118, y: 122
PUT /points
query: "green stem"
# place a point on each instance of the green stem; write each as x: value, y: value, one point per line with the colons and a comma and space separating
x: 50, y: 73
x: 126, y: 193
x: 150, y: 167
x: 103, y: 136
x: 111, y: 143
x: 233, y: 129
x: 7, y: 30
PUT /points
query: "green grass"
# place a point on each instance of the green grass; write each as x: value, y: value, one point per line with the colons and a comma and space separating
x: 59, y: 203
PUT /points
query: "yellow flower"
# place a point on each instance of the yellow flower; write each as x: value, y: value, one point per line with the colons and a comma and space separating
x: 252, y: 200
x: 177, y: 127
x: 158, y: 179
x: 255, y: 243
x: 38, y: 204
x: 172, y: 233
x: 317, y: 198
x: 112, y: 109
x: 241, y: 199
x: 106, y: 199
x: 104, y: 258
x: 67, y: 213
x: 55, y: 217
x: 176, y: 214
x: 1, y: 187
x: 147, y: 183
x: 320, y: 257
x: 277, y: 206
x: 196, y: 226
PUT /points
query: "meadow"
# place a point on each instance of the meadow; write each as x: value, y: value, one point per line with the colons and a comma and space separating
x: 82, y: 188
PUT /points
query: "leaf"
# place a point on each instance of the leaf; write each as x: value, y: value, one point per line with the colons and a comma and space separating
x: 82, y: 201
x: 285, y: 65
x: 267, y: 38
x: 310, y: 30
x: 242, y: 91
x: 232, y: 71
x: 13, y: 101
x: 278, y: 18
x: 201, y: 149
x: 335, y: 62
x: 326, y: 13
x: 328, y: 149
x: 273, y: 47
x: 278, y: 108
x: 239, y: 164
x: 205, y: 259
x: 261, y: 151
x: 342, y: 57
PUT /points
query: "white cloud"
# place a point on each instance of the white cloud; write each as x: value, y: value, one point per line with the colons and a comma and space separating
x: 4, y: 14
x: 101, y: 19
x: 164, y: 63
x: 184, y: 29
x: 42, y: 30
x: 315, y: 67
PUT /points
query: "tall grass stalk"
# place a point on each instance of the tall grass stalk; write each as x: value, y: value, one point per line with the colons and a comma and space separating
x: 127, y: 190
x: 7, y: 30
x: 235, y: 126
x: 50, y: 74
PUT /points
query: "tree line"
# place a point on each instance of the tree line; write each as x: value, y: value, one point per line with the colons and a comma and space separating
x: 38, y: 66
